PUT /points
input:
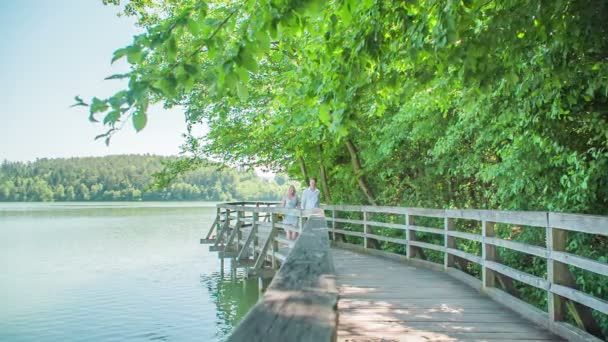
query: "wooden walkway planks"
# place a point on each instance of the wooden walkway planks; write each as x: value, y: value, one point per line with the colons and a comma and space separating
x: 384, y: 300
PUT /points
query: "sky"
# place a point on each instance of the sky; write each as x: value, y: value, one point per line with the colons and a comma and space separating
x: 52, y: 51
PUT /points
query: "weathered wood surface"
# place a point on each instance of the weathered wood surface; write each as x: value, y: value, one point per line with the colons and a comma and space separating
x: 385, y: 300
x: 300, y: 303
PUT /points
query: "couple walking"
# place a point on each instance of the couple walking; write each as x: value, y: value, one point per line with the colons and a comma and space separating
x: 310, y: 200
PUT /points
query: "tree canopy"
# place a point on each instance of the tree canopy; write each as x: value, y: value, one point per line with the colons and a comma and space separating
x: 487, y: 104
x: 449, y: 104
x: 128, y: 178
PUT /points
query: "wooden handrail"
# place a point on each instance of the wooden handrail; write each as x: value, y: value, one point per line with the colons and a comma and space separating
x: 282, y: 302
x: 300, y: 302
x: 558, y: 284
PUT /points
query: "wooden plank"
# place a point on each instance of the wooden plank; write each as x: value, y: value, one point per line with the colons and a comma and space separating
x: 387, y: 239
x: 528, y: 218
x: 361, y: 208
x: 267, y: 243
x: 468, y: 256
x: 557, y: 273
x: 348, y: 232
x: 387, y: 225
x: 427, y: 229
x: 285, y: 241
x: 589, y: 224
x: 518, y: 246
x: 518, y: 275
x: 339, y: 220
x: 488, y: 253
x: 220, y: 235
x: 249, y: 240
x: 581, y: 262
x: 581, y: 297
x: 448, y: 242
x: 300, y: 302
x: 235, y: 231
x: 427, y: 245
x: 430, y: 336
x: 406, y: 315
x: 213, y: 227
x: 388, y: 210
x: 271, y: 210
x: 465, y: 235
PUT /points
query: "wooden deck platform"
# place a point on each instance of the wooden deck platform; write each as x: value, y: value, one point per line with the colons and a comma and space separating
x: 384, y: 300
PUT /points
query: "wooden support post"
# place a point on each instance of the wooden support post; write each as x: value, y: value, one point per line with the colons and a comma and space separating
x: 410, y: 235
x: 300, y: 222
x: 488, y: 253
x: 250, y: 237
x: 557, y: 273
x: 214, y: 225
x: 225, y: 227
x: 448, y: 242
x: 259, y: 262
x: 274, y: 242
x: 235, y: 230
x: 365, y: 229
x: 333, y: 224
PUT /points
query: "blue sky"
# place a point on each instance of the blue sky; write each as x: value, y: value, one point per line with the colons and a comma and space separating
x: 52, y: 51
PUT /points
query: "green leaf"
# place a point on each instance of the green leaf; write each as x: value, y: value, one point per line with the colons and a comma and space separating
x: 242, y: 91
x: 324, y: 114
x: 193, y: 27
x: 112, y: 117
x: 97, y: 106
x: 134, y: 54
x: 118, y: 76
x: 171, y: 49
x: 167, y: 85
x: 118, y: 54
x: 79, y: 102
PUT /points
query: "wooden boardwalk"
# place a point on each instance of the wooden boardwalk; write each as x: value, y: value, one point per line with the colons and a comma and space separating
x: 385, y: 300
x: 355, y: 296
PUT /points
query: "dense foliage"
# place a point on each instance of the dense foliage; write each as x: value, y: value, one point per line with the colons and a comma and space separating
x: 127, y: 178
x: 466, y: 104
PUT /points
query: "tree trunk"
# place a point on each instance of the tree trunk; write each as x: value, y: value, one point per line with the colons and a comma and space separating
x: 303, y: 170
x: 356, y: 162
x: 323, y: 174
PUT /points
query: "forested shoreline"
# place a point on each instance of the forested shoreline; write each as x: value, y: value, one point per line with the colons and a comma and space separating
x: 127, y: 178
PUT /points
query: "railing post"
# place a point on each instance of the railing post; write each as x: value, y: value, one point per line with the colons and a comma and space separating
x: 333, y: 223
x: 448, y: 242
x: 488, y: 253
x: 410, y: 235
x: 235, y: 231
x: 215, y: 226
x: 225, y: 227
x: 365, y: 229
x: 256, y: 241
x: 556, y: 271
x: 250, y: 237
x: 300, y: 222
x: 274, y: 247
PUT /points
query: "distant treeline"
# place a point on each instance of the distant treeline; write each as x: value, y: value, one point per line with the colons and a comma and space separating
x: 127, y: 178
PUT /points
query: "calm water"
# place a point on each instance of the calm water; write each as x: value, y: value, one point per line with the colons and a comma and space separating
x: 115, y: 272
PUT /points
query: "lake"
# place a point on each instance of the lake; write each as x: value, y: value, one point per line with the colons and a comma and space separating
x: 115, y: 272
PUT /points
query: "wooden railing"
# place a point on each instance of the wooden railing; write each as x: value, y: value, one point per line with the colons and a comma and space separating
x: 251, y: 232
x: 300, y: 302
x: 559, y: 284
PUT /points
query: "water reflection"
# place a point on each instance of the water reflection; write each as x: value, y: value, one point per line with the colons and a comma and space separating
x: 128, y: 272
x: 233, y: 294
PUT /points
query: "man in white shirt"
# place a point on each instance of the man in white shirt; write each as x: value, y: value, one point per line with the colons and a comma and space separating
x: 310, y: 196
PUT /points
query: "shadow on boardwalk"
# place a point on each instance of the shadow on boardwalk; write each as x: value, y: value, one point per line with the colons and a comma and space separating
x: 383, y: 300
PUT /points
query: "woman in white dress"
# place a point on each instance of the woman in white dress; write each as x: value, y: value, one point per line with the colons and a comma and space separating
x: 291, y: 201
